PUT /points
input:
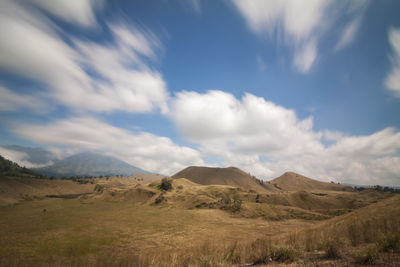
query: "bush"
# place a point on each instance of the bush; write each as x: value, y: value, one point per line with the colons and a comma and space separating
x: 284, y: 254
x: 233, y: 204
x: 160, y: 199
x: 368, y: 255
x: 98, y: 188
x: 166, y: 184
x: 388, y: 242
x: 333, y: 248
x: 260, y: 251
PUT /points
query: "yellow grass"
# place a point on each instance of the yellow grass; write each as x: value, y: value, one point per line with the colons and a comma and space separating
x: 122, y: 226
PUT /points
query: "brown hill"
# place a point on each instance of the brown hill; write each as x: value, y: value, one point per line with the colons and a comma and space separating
x: 221, y: 176
x: 290, y: 181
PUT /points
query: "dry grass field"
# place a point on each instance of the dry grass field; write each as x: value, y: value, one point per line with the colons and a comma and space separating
x: 123, y: 222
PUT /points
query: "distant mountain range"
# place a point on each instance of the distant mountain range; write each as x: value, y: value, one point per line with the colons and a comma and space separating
x: 89, y: 164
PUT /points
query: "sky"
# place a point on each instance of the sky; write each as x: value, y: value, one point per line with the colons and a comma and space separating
x: 310, y: 86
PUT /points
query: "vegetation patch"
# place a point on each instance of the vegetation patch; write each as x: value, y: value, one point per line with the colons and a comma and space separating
x: 367, y: 255
x: 166, y: 184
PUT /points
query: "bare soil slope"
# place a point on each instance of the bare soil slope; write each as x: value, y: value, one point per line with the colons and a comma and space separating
x: 290, y: 181
x: 220, y: 176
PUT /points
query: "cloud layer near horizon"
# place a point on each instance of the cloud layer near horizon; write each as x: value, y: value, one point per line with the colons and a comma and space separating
x: 268, y: 139
x: 141, y: 149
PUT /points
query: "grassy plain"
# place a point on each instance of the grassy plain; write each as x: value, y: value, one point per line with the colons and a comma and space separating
x: 194, y: 225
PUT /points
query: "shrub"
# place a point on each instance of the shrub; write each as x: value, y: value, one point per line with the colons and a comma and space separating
x: 388, y: 242
x: 166, y: 184
x: 333, y: 248
x: 160, y: 199
x: 284, y: 254
x: 260, y: 251
x: 367, y: 255
x: 233, y: 204
x: 98, y: 188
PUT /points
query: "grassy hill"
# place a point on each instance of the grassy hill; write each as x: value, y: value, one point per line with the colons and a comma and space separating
x: 89, y: 164
x: 177, y: 222
x: 9, y: 168
x: 291, y: 181
x: 221, y: 176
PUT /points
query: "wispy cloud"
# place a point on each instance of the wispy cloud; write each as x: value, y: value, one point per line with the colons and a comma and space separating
x: 14, y: 102
x: 268, y: 139
x: 80, y: 12
x: 301, y: 24
x: 349, y: 33
x: 393, y: 79
x: 64, y: 65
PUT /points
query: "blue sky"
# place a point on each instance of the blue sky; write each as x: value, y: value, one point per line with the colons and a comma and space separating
x: 267, y: 86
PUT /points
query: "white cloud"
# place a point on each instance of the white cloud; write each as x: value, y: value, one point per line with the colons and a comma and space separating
x: 393, y: 79
x: 305, y: 56
x: 144, y: 150
x: 12, y: 102
x: 349, y: 33
x: 122, y: 81
x: 79, y: 12
x: 332, y: 135
x: 301, y: 23
x: 267, y: 140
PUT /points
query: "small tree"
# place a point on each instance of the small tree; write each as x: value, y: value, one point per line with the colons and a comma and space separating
x: 166, y: 184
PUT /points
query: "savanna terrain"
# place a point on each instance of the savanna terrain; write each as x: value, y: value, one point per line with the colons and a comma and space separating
x: 242, y: 221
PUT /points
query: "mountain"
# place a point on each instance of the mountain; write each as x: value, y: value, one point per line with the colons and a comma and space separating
x: 220, y: 176
x: 9, y: 168
x: 89, y: 164
x: 290, y: 181
x: 36, y: 156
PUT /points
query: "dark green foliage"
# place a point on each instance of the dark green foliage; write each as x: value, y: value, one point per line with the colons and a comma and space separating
x: 9, y: 168
x: 166, y: 184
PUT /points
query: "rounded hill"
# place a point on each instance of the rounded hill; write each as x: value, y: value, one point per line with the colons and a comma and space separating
x: 220, y: 176
x: 290, y: 181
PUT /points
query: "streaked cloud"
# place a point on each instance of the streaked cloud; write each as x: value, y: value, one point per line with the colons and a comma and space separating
x: 14, y: 102
x: 64, y: 65
x: 349, y: 33
x: 301, y: 24
x: 80, y: 12
x: 392, y: 81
